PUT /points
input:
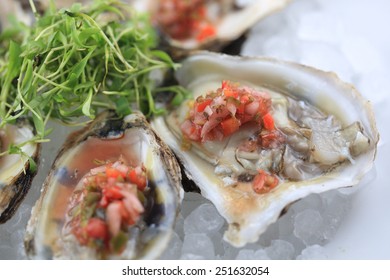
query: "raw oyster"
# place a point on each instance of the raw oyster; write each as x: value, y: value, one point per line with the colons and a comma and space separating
x: 316, y: 134
x: 56, y: 228
x: 206, y: 24
x: 16, y: 175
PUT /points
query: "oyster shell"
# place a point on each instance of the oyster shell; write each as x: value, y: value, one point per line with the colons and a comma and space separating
x: 107, y: 139
x: 206, y: 24
x: 16, y: 175
x: 328, y: 129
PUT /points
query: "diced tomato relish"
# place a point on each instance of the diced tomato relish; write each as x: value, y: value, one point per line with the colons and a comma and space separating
x: 108, y: 203
x: 221, y: 113
x: 182, y: 19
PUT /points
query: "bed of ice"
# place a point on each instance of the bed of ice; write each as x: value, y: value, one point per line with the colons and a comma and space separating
x: 348, y: 37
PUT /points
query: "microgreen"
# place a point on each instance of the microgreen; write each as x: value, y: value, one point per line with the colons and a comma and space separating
x: 72, y: 63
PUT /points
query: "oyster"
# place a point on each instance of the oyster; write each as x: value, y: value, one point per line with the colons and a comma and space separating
x: 206, y: 24
x: 16, y: 175
x: 275, y: 133
x: 95, y: 204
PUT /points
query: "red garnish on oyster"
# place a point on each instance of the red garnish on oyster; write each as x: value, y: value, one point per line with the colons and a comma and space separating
x: 106, y: 204
x: 183, y: 20
x: 222, y: 112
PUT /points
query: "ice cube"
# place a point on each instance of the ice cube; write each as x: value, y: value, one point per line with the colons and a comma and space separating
x: 204, y: 219
x: 280, y: 250
x: 198, y: 244
x: 173, y: 250
x: 189, y: 256
x: 314, y: 252
x: 246, y: 254
x: 308, y: 226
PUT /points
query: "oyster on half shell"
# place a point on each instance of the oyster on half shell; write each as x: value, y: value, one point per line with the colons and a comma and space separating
x: 87, y: 210
x: 15, y: 173
x: 324, y: 129
x: 205, y: 24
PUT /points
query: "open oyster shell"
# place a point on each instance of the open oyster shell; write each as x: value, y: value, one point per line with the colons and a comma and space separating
x: 185, y: 25
x: 210, y: 164
x: 107, y: 139
x: 15, y: 173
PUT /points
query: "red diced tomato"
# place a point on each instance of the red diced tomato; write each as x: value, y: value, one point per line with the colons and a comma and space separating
x: 97, y: 229
x: 133, y: 176
x: 241, y: 109
x: 141, y: 183
x: 228, y: 92
x: 263, y: 182
x: 113, y: 193
x: 80, y: 234
x: 230, y: 125
x: 224, y: 84
x: 268, y: 122
x: 244, y: 99
x: 258, y: 183
x: 205, y: 33
x: 139, y: 180
x: 112, y: 172
x: 201, y: 106
x: 103, y: 203
x: 202, y: 11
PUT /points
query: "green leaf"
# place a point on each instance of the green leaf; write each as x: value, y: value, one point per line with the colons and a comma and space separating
x: 39, y: 125
x: 118, y: 242
x: 77, y: 70
x: 32, y: 165
x: 122, y: 106
x: 13, y: 69
x: 15, y: 61
x: 86, y: 109
x: 164, y: 57
x: 28, y: 77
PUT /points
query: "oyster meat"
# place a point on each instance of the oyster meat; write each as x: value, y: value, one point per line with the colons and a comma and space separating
x: 260, y: 134
x: 113, y: 192
x: 15, y: 172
